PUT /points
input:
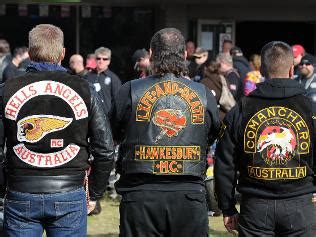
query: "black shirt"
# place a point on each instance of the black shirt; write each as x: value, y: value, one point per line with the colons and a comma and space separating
x: 106, y: 84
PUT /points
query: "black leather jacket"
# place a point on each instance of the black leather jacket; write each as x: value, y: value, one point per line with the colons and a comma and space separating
x: 71, y: 176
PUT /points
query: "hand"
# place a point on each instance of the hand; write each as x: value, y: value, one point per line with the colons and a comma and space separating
x: 231, y: 223
x: 91, y: 206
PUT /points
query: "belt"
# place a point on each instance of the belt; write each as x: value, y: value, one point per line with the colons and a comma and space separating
x: 45, y: 184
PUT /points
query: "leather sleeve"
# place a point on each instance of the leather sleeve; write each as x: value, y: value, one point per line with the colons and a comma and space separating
x: 102, y: 148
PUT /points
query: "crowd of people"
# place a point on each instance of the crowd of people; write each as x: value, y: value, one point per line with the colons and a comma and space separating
x: 59, y: 128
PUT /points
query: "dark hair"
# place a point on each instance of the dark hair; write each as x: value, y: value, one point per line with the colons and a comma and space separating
x: 227, y: 41
x: 19, y: 51
x: 211, y: 68
x: 168, y: 49
x: 276, y: 59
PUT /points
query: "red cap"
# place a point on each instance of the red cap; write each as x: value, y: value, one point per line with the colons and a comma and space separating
x: 297, y: 50
x: 91, y: 63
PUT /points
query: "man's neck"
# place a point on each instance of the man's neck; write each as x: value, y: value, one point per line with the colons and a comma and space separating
x: 100, y: 71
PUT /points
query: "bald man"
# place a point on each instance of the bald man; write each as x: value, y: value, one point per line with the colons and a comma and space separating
x: 76, y: 65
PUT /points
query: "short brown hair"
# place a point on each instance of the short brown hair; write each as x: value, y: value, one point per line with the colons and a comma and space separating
x: 46, y: 43
x: 276, y: 59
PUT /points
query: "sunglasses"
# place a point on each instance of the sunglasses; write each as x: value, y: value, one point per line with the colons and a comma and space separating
x: 104, y: 59
x: 306, y: 64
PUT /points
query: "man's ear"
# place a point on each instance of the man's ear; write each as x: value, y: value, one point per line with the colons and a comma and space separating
x: 62, y: 56
x: 185, y: 54
x: 150, y: 54
x: 291, y: 72
x: 262, y: 71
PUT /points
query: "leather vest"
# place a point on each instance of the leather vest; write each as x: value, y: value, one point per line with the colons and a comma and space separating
x: 166, y: 134
x: 46, y: 123
x: 277, y: 144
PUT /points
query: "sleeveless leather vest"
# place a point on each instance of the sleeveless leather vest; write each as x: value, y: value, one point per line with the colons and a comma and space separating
x: 46, y: 121
x: 166, y: 134
x: 277, y: 143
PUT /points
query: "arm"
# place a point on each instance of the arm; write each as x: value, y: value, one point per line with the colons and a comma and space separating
x: 213, y: 117
x: 102, y: 149
x: 225, y: 163
x: 120, y: 116
x: 116, y: 84
x: 121, y: 112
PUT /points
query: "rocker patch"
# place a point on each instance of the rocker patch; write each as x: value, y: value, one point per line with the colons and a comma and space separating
x: 46, y: 160
x: 170, y: 88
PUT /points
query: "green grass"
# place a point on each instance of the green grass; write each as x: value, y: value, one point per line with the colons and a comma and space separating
x: 107, y: 223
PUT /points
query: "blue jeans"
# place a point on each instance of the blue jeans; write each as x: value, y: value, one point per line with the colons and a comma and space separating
x: 60, y: 214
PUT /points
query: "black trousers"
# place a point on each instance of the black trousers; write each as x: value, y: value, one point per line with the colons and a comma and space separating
x: 278, y: 217
x: 163, y: 214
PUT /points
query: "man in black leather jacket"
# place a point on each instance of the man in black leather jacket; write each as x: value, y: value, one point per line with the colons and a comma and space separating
x: 165, y: 123
x: 48, y: 117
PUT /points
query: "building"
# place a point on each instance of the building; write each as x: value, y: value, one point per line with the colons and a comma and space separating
x: 125, y: 25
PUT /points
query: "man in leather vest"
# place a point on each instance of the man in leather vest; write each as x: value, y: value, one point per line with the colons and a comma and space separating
x: 165, y: 124
x: 48, y: 117
x: 268, y: 137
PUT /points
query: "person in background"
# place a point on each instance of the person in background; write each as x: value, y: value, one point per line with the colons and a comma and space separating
x: 190, y: 60
x: 5, y: 56
x: 201, y: 58
x: 48, y: 117
x: 141, y: 63
x: 233, y: 80
x: 76, y: 65
x: 240, y: 63
x: 227, y: 46
x: 298, y: 52
x: 212, y: 80
x: 91, y: 62
x: 254, y: 77
x: 268, y: 139
x: 190, y: 48
x: 106, y: 82
x: 13, y: 68
x: 307, y: 77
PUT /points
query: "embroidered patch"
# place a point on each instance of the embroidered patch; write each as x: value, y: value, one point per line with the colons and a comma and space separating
x: 33, y: 128
x: 278, y: 142
x: 168, y: 167
x: 168, y: 159
x: 46, y: 160
x: 56, y: 143
x: 277, y: 136
x: 54, y: 88
x: 107, y: 81
x: 276, y: 173
x: 97, y: 87
x: 170, y: 88
x: 187, y: 153
x: 170, y: 121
